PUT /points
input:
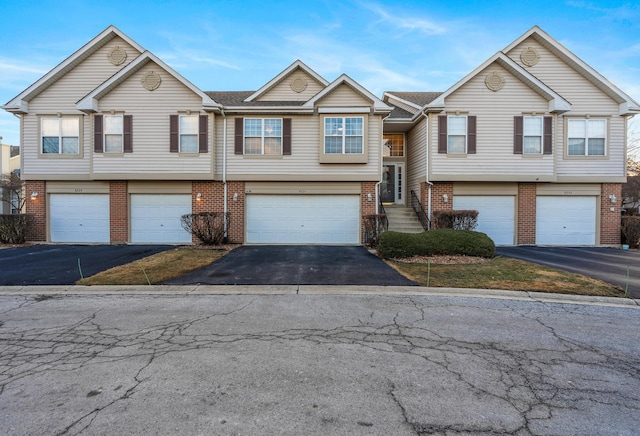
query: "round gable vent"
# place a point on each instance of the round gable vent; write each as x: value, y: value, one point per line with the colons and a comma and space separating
x: 494, y: 81
x: 117, y: 55
x: 298, y: 84
x: 151, y: 80
x: 529, y: 56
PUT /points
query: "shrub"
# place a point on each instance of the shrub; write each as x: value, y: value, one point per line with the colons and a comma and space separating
x: 630, y: 227
x: 14, y: 228
x: 455, y: 219
x: 208, y: 227
x: 433, y: 242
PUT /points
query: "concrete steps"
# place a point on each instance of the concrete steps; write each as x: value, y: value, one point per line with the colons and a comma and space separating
x: 403, y: 219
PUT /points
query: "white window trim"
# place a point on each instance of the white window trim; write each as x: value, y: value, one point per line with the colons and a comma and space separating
x: 262, y: 137
x: 404, y: 146
x: 586, y: 138
x: 524, y: 136
x: 181, y: 134
x: 59, y: 153
x: 105, y: 133
x: 466, y: 136
x: 343, y: 136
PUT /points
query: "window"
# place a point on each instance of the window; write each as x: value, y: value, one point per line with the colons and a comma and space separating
x: 344, y: 135
x: 586, y: 137
x: 263, y: 136
x: 188, y: 133
x: 393, y: 145
x: 112, y: 133
x: 60, y: 135
x: 113, y: 128
x: 532, y: 135
x: 457, y: 135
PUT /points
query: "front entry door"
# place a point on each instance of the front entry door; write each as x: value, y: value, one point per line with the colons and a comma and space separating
x: 388, y: 185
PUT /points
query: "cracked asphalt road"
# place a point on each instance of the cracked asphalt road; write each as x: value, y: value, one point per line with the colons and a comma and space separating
x: 250, y: 364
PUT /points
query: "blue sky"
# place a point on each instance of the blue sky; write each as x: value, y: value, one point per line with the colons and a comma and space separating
x: 384, y: 45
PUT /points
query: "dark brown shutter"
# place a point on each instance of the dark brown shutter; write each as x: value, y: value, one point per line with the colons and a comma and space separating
x: 547, y: 144
x: 127, y: 131
x: 471, y: 134
x: 203, y: 137
x: 442, y: 134
x: 286, y: 136
x: 517, y: 134
x: 97, y: 133
x: 239, y: 136
x: 174, y: 146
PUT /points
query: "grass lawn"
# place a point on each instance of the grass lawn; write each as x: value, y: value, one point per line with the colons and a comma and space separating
x: 160, y: 267
x: 507, y: 274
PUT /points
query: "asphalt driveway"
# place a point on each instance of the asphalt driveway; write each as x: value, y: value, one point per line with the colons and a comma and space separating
x: 297, y: 265
x: 606, y: 264
x: 58, y: 264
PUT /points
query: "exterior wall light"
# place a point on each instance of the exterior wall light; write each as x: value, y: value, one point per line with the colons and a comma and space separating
x: 369, y: 196
x: 34, y: 195
x: 199, y: 197
x: 235, y: 196
x: 445, y: 198
x: 612, y: 198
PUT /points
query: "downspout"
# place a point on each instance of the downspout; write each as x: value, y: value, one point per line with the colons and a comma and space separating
x: 377, y: 185
x: 426, y: 154
x: 224, y: 171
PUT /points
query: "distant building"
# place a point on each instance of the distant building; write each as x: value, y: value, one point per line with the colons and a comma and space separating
x: 9, y: 162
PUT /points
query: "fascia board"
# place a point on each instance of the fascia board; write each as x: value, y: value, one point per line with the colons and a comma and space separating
x: 407, y: 102
x: 111, y: 30
x: 271, y: 83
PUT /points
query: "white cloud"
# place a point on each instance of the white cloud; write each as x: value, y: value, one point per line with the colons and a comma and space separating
x: 401, y: 21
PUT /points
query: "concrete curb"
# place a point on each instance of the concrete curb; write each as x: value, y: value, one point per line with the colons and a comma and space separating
x: 317, y: 290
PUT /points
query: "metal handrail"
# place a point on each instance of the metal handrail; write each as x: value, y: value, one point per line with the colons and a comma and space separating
x: 383, y: 214
x: 419, y: 210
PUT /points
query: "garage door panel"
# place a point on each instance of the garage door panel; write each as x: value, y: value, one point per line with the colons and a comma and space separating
x: 303, y: 219
x: 79, y: 218
x: 496, y: 215
x: 562, y: 220
x: 156, y: 218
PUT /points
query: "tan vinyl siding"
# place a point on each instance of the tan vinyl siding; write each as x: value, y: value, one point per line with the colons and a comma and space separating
x: 61, y: 97
x: 344, y: 96
x: 416, y: 156
x: 150, y: 111
x: 585, y: 98
x: 282, y: 91
x: 495, y: 112
x: 304, y: 160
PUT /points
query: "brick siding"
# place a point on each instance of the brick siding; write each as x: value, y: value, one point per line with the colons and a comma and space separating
x: 367, y: 207
x: 119, y: 211
x: 236, y: 209
x: 610, y: 219
x: 38, y: 209
x: 526, y: 220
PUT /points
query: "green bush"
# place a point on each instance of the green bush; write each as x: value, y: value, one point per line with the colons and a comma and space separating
x: 433, y: 242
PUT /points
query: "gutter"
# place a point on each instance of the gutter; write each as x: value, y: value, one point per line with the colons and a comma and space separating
x: 224, y: 171
x: 426, y: 154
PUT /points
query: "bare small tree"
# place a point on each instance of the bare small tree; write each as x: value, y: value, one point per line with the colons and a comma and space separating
x: 13, y: 192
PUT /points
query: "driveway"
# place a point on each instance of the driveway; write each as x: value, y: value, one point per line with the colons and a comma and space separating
x: 297, y: 265
x: 606, y: 264
x: 58, y: 264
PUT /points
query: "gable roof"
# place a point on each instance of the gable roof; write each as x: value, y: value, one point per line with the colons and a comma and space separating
x: 89, y: 103
x: 557, y: 103
x: 20, y: 103
x: 298, y: 64
x: 627, y: 104
x: 414, y: 99
x: 378, y: 105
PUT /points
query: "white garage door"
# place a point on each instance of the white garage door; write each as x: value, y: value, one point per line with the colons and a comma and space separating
x: 303, y: 219
x: 496, y: 215
x: 565, y: 220
x: 155, y: 218
x: 79, y: 217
